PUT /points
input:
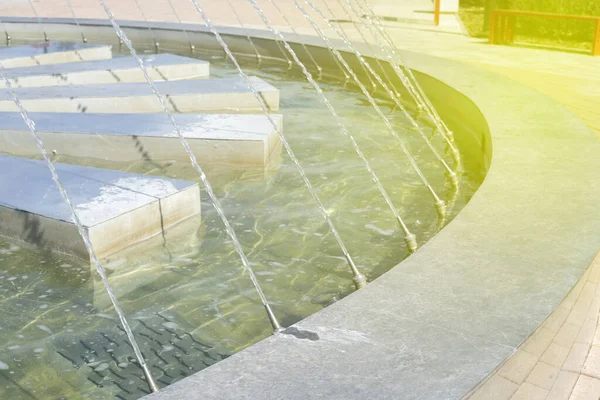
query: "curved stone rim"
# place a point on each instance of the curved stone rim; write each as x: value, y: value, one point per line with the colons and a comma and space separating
x: 443, y: 319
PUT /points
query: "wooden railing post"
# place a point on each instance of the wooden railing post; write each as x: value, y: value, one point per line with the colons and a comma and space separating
x: 493, y: 27
x: 512, y: 27
x: 436, y: 12
x: 502, y: 29
x: 596, y: 44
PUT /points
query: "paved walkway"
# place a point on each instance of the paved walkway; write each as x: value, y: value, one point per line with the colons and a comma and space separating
x: 417, y: 12
x: 561, y: 360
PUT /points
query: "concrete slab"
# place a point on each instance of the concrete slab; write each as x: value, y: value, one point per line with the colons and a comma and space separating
x: 118, y: 209
x: 165, y: 67
x: 52, y: 53
x: 214, y: 138
x: 184, y: 96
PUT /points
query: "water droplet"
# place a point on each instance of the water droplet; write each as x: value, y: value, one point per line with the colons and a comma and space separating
x: 170, y: 325
x: 45, y: 328
x: 101, y: 367
x: 105, y: 316
x: 3, y: 366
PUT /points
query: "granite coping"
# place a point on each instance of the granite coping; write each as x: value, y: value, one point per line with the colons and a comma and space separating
x: 54, y: 52
x: 232, y: 139
x: 117, y: 209
x: 46, y: 48
x: 443, y: 319
x: 194, y: 126
x: 119, y: 69
x: 183, y: 96
x: 97, y: 194
x: 231, y: 86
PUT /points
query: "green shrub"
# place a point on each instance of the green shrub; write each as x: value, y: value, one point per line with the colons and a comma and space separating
x: 557, y: 29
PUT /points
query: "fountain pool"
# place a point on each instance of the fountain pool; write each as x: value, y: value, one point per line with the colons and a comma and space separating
x: 188, y: 299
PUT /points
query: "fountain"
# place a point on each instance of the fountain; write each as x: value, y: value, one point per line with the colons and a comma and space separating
x: 309, y: 225
x: 70, y: 85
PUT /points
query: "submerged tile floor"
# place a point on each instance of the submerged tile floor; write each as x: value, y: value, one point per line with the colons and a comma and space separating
x: 561, y: 360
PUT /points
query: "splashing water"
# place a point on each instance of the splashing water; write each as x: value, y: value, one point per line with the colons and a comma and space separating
x: 359, y: 278
x: 187, y: 34
x: 207, y: 185
x: 441, y: 206
x: 291, y: 26
x: 39, y: 21
x: 409, y: 237
x: 82, y: 232
x: 394, y: 97
x: 439, y: 203
x: 208, y: 290
x: 83, y: 38
x: 408, y: 79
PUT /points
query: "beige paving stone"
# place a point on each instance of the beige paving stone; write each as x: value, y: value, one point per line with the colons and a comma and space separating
x: 579, y: 313
x: 563, y: 386
x: 592, y: 363
x: 556, y: 319
x: 496, y: 388
x: 518, y: 366
x: 596, y: 340
x: 594, y: 273
x: 576, y: 357
x: 555, y: 355
x: 573, y: 295
x: 586, y: 388
x: 566, y: 335
x: 539, y: 341
x: 595, y: 307
x: 530, y: 392
x: 543, y: 375
x: 586, y: 334
x: 588, y: 293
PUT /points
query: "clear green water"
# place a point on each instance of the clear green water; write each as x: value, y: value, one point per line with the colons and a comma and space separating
x: 186, y: 296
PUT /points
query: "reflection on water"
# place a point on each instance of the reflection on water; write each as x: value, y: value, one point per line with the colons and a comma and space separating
x: 186, y: 295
